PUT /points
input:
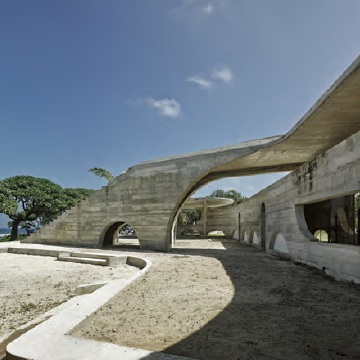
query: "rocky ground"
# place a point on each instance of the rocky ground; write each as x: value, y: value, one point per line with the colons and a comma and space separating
x: 213, y: 300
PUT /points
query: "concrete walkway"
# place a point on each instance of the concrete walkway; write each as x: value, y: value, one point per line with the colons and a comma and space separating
x: 49, y: 339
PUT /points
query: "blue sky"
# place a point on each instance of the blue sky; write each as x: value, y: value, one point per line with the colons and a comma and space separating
x: 110, y: 83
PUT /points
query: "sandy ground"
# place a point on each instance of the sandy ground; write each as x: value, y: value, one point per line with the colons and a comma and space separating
x: 32, y: 285
x: 218, y: 300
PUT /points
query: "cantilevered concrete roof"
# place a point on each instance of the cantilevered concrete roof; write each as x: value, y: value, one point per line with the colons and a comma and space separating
x: 333, y: 118
x: 197, y: 203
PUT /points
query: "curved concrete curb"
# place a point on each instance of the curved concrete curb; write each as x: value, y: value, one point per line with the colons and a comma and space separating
x: 49, y: 340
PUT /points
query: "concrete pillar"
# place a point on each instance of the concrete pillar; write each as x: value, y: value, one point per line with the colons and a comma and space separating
x: 205, y: 218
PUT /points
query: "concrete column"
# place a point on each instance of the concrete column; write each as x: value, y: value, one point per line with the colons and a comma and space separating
x: 205, y: 218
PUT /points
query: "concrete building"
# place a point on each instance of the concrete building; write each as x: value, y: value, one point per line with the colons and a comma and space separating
x: 322, y: 153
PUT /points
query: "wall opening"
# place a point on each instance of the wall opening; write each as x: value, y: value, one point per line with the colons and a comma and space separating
x: 334, y: 220
x: 227, y: 218
x: 322, y: 235
x: 120, y: 234
x: 216, y: 234
x: 263, y: 226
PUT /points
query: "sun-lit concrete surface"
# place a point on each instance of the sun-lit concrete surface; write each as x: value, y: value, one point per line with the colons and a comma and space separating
x: 149, y: 195
x: 49, y: 340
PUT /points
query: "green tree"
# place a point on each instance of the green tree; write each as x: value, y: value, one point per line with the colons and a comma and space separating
x: 71, y: 196
x: 102, y: 173
x: 230, y: 194
x: 26, y: 198
x: 75, y: 195
x: 189, y: 216
x: 32, y: 202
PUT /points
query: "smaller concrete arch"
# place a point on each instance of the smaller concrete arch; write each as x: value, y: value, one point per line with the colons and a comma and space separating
x: 246, y: 237
x: 113, y: 231
x: 278, y: 243
x: 255, y: 238
x: 322, y: 235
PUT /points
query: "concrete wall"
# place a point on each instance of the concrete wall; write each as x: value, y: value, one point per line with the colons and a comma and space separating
x: 334, y: 174
x: 147, y: 197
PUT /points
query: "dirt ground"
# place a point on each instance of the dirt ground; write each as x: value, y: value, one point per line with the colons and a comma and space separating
x: 213, y: 300
x: 32, y: 285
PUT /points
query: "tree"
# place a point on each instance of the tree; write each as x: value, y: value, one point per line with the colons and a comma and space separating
x: 102, y: 173
x: 230, y: 194
x: 75, y: 195
x: 33, y: 202
x: 26, y: 198
x: 189, y: 216
x: 71, y: 197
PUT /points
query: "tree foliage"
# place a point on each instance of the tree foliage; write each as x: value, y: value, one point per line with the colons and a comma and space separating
x: 230, y: 194
x: 33, y: 202
x: 189, y: 216
x: 102, y: 173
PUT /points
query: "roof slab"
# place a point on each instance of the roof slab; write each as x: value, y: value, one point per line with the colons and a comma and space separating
x: 333, y: 118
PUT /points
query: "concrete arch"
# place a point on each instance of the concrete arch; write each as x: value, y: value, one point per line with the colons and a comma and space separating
x: 246, y: 237
x: 278, y: 243
x: 255, y: 238
x: 109, y: 234
x: 150, y: 194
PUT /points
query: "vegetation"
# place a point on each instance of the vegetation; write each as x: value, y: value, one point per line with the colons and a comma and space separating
x: 192, y: 216
x: 102, y: 173
x: 230, y: 194
x: 32, y: 202
x: 189, y: 216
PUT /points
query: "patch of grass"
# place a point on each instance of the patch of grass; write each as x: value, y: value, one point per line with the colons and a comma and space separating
x: 27, y: 307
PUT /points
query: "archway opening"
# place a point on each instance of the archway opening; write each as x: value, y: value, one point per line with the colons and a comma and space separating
x: 226, y: 218
x: 263, y: 226
x: 120, y: 234
x: 322, y: 235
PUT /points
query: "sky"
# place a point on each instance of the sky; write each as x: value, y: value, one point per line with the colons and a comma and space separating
x: 112, y: 83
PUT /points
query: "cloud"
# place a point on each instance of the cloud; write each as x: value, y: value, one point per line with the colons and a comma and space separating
x: 165, y: 107
x: 223, y: 74
x: 193, y: 8
x: 201, y: 81
x: 208, y: 9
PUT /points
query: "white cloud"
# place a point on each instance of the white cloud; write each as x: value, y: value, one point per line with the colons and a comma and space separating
x: 201, y: 81
x: 192, y: 8
x: 208, y: 9
x: 166, y: 107
x: 223, y: 74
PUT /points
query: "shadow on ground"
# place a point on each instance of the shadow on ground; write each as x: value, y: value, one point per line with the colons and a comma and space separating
x: 278, y: 311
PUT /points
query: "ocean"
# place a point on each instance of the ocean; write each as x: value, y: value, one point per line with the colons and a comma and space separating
x: 7, y: 231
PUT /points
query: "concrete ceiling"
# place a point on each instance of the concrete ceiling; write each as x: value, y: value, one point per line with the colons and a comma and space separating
x: 333, y: 118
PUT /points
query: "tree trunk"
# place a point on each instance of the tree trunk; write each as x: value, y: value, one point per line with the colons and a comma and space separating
x: 14, y: 230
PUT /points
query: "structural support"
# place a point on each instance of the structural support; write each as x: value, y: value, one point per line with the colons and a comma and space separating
x: 205, y: 218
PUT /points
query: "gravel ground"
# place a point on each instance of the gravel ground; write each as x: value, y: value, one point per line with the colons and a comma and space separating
x: 32, y: 285
x: 223, y: 300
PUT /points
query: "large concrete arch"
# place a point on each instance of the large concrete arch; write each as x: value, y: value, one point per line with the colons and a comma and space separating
x: 150, y: 194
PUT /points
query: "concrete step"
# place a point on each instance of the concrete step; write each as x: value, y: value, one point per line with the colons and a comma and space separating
x: 111, y: 260
x: 83, y: 260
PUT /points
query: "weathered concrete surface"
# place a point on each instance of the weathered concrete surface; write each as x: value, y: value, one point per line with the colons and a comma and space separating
x: 148, y: 196
x: 49, y: 340
x: 332, y: 175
